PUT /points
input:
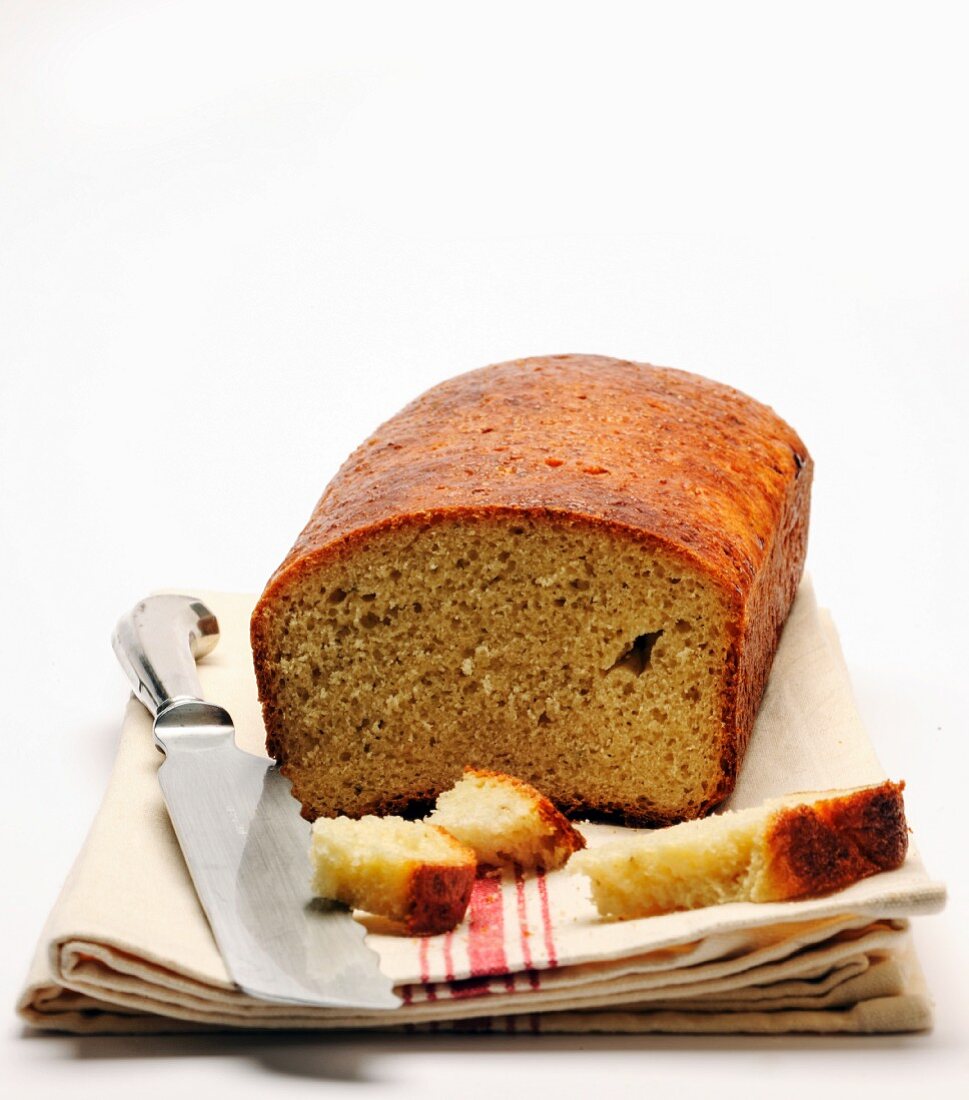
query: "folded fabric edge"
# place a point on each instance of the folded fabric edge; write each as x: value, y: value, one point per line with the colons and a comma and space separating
x: 131, y: 1013
x: 102, y: 966
x: 906, y: 1012
x: 97, y: 970
x: 883, y: 1015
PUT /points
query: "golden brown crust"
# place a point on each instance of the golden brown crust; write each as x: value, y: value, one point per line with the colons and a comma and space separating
x: 765, y: 613
x: 438, y: 897
x: 829, y: 844
x: 667, y: 458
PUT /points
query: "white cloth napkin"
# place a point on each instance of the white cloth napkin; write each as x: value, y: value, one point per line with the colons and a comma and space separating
x: 127, y: 947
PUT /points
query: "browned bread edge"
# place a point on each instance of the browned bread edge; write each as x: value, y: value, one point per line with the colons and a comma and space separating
x: 438, y: 897
x: 823, y: 846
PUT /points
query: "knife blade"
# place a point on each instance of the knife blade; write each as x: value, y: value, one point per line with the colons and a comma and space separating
x: 239, y: 828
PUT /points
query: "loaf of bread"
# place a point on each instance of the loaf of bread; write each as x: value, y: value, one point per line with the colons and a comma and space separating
x: 571, y: 569
x: 407, y: 871
x: 506, y: 822
x: 792, y: 847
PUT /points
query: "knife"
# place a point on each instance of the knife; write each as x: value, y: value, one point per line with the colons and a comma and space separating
x: 239, y: 827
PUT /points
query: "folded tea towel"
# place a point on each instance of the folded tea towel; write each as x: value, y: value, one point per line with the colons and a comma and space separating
x: 127, y: 947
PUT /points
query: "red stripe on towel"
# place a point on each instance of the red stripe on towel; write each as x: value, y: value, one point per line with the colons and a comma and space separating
x: 547, y: 921
x: 448, y: 957
x: 423, y: 950
x: 523, y: 928
x: 486, y: 929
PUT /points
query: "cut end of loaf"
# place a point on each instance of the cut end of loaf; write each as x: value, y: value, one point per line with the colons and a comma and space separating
x: 588, y: 662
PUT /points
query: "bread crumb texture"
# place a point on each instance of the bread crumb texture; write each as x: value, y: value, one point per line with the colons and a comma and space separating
x: 591, y: 668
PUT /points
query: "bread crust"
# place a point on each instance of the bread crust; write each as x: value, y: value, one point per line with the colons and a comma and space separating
x: 826, y: 845
x: 438, y: 897
x: 649, y: 454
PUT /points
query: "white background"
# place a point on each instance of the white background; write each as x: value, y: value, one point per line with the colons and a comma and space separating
x: 235, y: 237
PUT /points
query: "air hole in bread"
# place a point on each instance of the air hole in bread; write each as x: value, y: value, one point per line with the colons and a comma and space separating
x: 636, y: 658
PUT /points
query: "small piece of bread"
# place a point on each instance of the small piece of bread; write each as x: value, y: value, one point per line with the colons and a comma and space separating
x: 506, y: 821
x: 792, y: 847
x: 405, y: 870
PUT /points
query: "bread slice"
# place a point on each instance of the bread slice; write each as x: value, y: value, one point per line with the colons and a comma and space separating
x: 407, y: 871
x: 571, y: 569
x: 792, y: 847
x: 506, y: 822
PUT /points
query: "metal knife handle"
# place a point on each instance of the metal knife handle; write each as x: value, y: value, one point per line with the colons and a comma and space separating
x: 158, y: 642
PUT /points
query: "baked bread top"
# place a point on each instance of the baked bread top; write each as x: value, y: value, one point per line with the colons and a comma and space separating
x: 686, y: 462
